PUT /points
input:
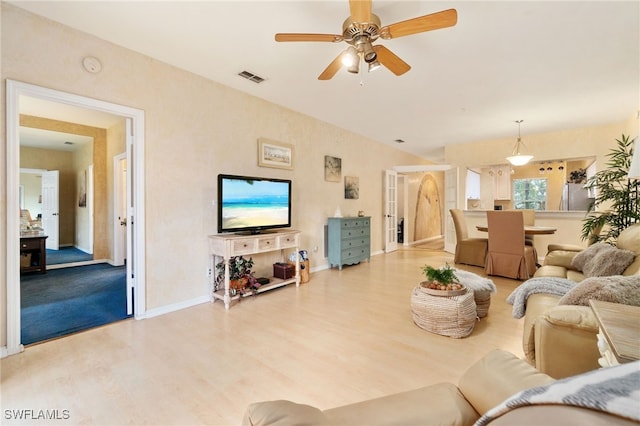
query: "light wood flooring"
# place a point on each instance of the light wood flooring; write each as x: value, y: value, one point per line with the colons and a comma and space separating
x: 343, y: 337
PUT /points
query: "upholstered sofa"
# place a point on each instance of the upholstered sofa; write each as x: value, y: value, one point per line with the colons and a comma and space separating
x: 561, y: 340
x: 495, y: 378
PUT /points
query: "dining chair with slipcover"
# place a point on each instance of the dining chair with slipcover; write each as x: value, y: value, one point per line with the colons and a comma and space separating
x: 469, y: 251
x: 508, y: 255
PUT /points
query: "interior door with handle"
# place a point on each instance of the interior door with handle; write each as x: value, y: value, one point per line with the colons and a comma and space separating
x: 50, y: 208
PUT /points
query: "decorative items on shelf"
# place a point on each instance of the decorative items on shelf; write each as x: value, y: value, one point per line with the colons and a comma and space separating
x: 578, y: 176
x: 303, y: 259
x: 241, y: 277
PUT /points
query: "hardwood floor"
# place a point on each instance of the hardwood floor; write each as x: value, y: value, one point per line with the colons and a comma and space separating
x: 343, y: 337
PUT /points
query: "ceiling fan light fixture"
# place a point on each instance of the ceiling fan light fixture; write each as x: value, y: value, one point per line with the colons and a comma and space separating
x: 368, y: 53
x: 354, y: 68
x: 517, y: 158
x: 374, y: 65
x: 350, y: 56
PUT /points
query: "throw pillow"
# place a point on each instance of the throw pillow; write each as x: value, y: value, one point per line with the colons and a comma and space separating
x: 608, y: 262
x: 587, y: 254
x: 615, y: 289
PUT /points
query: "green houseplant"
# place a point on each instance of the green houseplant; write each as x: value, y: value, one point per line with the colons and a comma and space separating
x: 440, y: 278
x: 241, y: 276
x: 616, y: 195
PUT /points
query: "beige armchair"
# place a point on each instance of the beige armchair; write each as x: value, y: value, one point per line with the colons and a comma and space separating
x: 469, y: 251
x: 508, y: 256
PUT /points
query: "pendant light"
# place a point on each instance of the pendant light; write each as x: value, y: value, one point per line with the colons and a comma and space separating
x: 517, y: 158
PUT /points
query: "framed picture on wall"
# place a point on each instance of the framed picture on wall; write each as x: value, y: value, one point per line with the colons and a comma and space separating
x: 332, y: 168
x: 351, y: 187
x: 275, y: 154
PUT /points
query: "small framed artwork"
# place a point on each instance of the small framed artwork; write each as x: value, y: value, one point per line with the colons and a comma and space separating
x: 332, y: 168
x: 275, y: 154
x: 351, y: 188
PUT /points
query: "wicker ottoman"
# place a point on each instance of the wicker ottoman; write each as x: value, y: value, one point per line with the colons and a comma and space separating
x: 453, y: 316
x: 482, y: 288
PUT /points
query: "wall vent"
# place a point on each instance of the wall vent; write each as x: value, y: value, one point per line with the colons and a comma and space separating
x: 251, y: 77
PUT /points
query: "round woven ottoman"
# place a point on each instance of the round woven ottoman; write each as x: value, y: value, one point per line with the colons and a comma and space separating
x: 452, y: 316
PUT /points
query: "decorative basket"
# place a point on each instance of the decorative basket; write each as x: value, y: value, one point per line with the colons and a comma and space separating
x: 452, y: 316
x: 483, y: 301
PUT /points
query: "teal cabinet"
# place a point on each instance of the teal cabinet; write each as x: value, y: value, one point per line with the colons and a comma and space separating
x: 349, y: 240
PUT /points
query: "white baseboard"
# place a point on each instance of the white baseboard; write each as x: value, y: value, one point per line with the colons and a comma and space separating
x: 5, y: 352
x: 175, y: 307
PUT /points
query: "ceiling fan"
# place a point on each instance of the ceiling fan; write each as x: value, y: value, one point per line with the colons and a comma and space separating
x: 362, y: 28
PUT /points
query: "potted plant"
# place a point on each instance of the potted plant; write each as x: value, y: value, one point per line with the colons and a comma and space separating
x: 443, y: 279
x: 616, y: 195
x: 241, y: 276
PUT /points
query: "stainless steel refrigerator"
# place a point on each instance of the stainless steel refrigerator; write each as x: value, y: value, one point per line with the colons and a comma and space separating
x: 575, y: 197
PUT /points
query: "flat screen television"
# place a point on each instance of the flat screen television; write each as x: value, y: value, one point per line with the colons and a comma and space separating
x: 253, y: 204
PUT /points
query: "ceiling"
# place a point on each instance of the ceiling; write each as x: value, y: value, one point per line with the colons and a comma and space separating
x: 556, y: 65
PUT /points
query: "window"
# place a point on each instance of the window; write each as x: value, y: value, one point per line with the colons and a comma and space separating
x: 530, y: 194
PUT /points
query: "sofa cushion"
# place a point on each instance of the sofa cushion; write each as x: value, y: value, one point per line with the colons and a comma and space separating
x: 615, y: 289
x: 507, y: 375
x: 575, y: 276
x: 580, y: 260
x: 608, y: 262
x: 537, y: 415
x: 283, y: 413
x: 560, y: 258
x: 612, y: 390
x: 429, y: 405
x: 629, y: 239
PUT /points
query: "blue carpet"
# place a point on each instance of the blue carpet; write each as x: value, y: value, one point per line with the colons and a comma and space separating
x: 67, y: 255
x: 68, y: 300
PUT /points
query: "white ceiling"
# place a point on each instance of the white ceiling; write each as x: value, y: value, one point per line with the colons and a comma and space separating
x: 556, y: 65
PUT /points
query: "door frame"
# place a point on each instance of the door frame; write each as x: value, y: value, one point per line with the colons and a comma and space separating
x: 390, y: 211
x: 14, y: 90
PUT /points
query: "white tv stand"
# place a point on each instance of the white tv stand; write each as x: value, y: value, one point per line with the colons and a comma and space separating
x: 226, y: 246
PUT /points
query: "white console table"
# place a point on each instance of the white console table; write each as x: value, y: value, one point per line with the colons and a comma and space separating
x: 226, y: 246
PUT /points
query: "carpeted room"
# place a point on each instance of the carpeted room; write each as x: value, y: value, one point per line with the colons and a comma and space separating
x: 71, y: 299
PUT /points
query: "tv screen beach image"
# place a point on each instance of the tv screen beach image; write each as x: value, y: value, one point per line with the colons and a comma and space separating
x: 249, y: 203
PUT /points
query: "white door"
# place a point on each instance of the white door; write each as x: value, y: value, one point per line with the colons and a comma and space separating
x: 390, y: 211
x: 120, y: 209
x: 450, y: 202
x: 50, y: 208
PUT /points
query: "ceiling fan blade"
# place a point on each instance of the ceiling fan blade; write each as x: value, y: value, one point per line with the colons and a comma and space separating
x: 391, y: 60
x: 434, y: 21
x: 308, y: 37
x: 332, y: 69
x: 360, y: 10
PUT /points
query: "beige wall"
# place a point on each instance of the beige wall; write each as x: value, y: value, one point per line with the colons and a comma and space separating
x: 195, y: 129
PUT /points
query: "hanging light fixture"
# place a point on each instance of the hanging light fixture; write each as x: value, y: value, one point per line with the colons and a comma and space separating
x: 517, y: 158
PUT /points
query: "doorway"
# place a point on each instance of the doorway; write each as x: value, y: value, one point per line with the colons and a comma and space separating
x: 18, y: 92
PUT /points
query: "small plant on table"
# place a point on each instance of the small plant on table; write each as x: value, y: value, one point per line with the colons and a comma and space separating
x: 441, y: 278
x: 241, y: 276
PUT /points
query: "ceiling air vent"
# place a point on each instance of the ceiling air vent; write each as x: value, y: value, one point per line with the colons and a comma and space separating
x: 251, y: 77
x: 68, y: 143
